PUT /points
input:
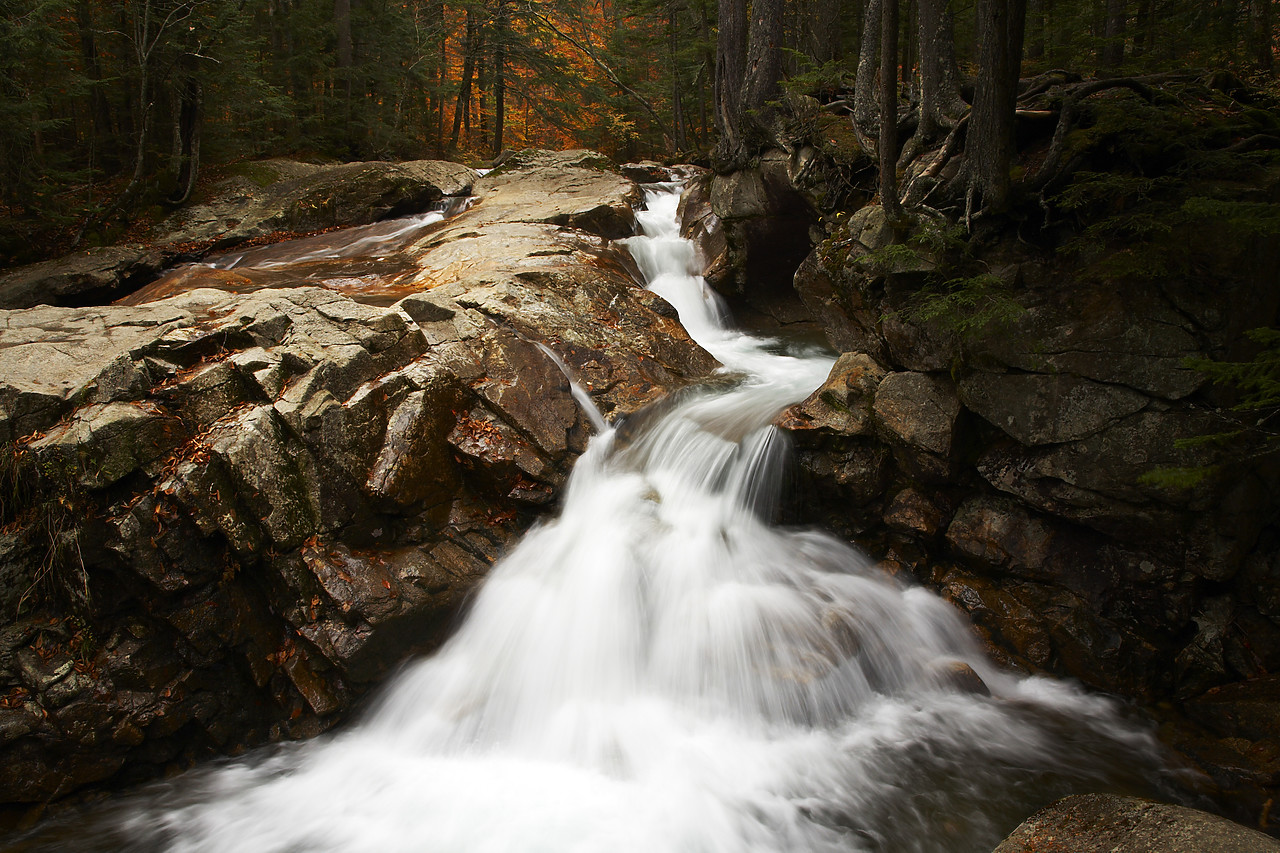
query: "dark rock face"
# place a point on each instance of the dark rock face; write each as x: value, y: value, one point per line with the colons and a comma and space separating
x: 1017, y: 469
x: 752, y: 230
x: 1128, y: 825
x: 236, y: 512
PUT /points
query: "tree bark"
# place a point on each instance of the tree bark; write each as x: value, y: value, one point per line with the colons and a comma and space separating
x: 1261, y: 36
x: 1117, y: 19
x: 731, y: 63
x: 678, y: 129
x: 499, y: 77
x: 990, y: 147
x: 764, y: 54
x: 463, y: 105
x: 748, y: 71
x: 889, y: 110
x: 864, y: 98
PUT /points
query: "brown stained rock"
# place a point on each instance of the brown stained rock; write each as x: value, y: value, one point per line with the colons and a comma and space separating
x: 1102, y: 822
x: 912, y: 512
x: 1001, y: 534
x: 918, y: 410
x: 843, y: 405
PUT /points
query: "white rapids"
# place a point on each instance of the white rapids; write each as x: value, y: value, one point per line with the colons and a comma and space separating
x: 662, y: 670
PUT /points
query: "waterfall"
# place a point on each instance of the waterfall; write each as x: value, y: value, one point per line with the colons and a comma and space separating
x: 660, y: 669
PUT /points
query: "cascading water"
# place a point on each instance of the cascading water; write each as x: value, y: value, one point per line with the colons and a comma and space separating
x: 660, y: 669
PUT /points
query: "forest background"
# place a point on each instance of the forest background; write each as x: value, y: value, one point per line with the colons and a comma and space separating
x: 112, y: 110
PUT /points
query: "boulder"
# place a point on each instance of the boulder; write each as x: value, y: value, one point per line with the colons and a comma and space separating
x: 1089, y: 822
x: 282, y: 195
x: 918, y: 410
x: 86, y: 277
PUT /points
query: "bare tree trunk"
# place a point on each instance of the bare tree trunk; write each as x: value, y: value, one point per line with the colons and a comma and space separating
x: 499, y: 77
x: 990, y: 147
x: 678, y: 130
x: 1035, y: 29
x: 824, y: 31
x: 463, y: 105
x: 1113, y: 47
x: 764, y: 54
x: 1261, y: 36
x: 731, y: 64
x: 889, y: 110
x: 864, y: 99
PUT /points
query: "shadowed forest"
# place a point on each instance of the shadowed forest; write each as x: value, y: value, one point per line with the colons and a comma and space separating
x: 111, y: 113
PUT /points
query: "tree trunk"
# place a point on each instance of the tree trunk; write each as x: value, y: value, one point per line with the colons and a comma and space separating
x: 344, y: 62
x: 889, y: 110
x: 764, y: 54
x: 499, y: 77
x: 1113, y: 47
x: 824, y: 32
x: 1261, y: 36
x: 864, y: 99
x: 103, y: 140
x: 731, y: 63
x: 990, y: 147
x: 678, y: 130
x: 463, y: 105
x: 1035, y: 29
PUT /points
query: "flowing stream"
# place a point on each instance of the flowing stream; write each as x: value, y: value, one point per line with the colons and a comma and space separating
x: 662, y: 670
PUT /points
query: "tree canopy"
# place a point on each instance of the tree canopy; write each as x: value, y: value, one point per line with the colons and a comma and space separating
x: 109, y: 110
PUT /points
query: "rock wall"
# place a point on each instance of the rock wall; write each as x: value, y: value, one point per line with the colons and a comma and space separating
x: 1034, y: 463
x: 227, y: 515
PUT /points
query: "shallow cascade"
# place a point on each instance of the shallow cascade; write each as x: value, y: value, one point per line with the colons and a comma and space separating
x: 662, y: 669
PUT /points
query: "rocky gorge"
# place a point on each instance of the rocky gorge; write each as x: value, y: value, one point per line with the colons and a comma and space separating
x: 232, y: 507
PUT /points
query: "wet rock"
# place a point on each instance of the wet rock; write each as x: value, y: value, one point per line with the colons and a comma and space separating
x: 576, y: 189
x: 918, y: 410
x: 272, y: 497
x: 844, y: 403
x: 1130, y: 825
x: 910, y: 511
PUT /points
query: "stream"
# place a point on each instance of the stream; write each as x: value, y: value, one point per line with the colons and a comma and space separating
x: 661, y: 669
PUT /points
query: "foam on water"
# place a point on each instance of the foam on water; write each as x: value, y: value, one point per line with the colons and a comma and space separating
x: 660, y: 669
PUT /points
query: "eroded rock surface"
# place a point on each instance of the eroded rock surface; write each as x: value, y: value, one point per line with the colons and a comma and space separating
x: 236, y: 511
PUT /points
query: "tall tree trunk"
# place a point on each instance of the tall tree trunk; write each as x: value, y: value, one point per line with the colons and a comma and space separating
x: 462, y: 107
x: 1261, y: 36
x: 764, y: 54
x: 889, y: 110
x: 345, y: 60
x: 678, y: 130
x: 1113, y: 47
x: 731, y: 64
x: 990, y: 145
x: 104, y: 142
x: 864, y: 97
x: 499, y: 77
x: 1035, y: 29
x: 824, y: 31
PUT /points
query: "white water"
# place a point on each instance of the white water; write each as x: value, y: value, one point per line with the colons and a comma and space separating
x: 660, y: 670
